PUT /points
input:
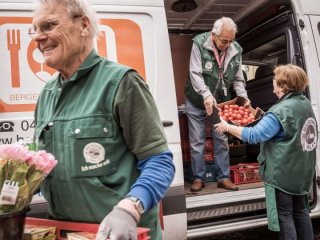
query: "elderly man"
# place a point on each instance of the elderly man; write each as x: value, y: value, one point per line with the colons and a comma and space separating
x: 215, y: 69
x: 100, y: 121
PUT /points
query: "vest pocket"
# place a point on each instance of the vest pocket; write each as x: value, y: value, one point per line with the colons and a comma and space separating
x: 91, y: 145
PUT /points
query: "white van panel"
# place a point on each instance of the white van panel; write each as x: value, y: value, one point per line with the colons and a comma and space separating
x: 315, y: 26
x: 310, y: 43
x: 306, y: 7
x: 174, y: 227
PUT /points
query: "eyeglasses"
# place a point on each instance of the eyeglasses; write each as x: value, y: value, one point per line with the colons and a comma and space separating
x: 225, y: 42
x: 45, y: 27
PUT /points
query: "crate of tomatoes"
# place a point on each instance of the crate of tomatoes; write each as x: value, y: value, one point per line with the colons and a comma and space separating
x: 234, y: 112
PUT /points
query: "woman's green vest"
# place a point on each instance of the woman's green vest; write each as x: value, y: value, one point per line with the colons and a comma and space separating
x: 289, y: 163
x: 210, y: 70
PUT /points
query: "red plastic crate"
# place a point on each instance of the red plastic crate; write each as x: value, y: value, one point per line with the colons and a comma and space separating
x: 143, y: 233
x: 245, y: 173
x: 185, y: 144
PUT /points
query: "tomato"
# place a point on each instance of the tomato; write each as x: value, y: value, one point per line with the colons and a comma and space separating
x: 244, y: 122
x: 251, y: 119
x: 226, y: 114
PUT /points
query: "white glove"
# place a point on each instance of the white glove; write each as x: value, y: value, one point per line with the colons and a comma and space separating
x: 120, y: 223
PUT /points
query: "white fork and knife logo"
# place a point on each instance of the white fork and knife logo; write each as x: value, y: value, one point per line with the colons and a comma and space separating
x: 14, y: 45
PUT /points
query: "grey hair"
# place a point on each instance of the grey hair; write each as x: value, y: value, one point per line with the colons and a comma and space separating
x: 77, y: 8
x: 221, y: 22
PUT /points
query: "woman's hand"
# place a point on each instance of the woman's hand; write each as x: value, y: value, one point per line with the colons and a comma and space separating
x: 222, y: 127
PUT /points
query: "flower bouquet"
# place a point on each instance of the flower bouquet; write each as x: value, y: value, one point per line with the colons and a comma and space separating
x: 21, y: 172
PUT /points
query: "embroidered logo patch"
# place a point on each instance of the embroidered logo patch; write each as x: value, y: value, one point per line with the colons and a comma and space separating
x: 208, y: 66
x: 309, y: 135
x: 94, y: 153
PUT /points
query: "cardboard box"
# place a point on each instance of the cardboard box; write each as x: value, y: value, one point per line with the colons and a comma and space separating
x: 81, y: 236
x: 36, y: 232
x: 238, y: 100
x: 256, y: 112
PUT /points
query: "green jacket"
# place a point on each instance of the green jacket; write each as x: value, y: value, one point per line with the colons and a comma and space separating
x: 95, y: 168
x: 210, y: 71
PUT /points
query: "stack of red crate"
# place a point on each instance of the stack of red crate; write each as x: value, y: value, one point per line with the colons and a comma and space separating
x: 208, y: 147
x: 245, y: 173
x: 185, y: 144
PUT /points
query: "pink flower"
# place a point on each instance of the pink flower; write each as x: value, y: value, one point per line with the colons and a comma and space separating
x: 44, y: 161
x: 25, y: 169
x: 14, y: 152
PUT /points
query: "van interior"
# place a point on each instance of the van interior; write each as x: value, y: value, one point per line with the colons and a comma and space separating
x: 268, y: 35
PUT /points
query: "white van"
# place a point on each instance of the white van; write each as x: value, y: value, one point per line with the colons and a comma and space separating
x: 154, y: 37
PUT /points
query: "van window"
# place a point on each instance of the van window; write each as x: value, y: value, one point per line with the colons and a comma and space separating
x: 261, y: 61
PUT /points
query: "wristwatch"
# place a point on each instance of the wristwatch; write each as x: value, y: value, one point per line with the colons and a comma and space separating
x: 137, y: 204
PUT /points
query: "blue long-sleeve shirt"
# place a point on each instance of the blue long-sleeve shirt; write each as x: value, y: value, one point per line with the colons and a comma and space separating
x: 267, y: 128
x: 156, y: 176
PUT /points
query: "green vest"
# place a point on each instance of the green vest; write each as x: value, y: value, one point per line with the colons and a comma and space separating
x: 210, y: 71
x: 289, y: 163
x: 95, y: 167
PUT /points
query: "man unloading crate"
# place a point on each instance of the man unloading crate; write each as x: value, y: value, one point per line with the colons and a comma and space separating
x: 215, y: 70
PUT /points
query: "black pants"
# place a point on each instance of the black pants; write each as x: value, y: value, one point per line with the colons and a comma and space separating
x: 295, y: 222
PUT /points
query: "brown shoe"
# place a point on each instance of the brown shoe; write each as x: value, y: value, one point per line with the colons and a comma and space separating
x: 227, y: 184
x: 197, y: 185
